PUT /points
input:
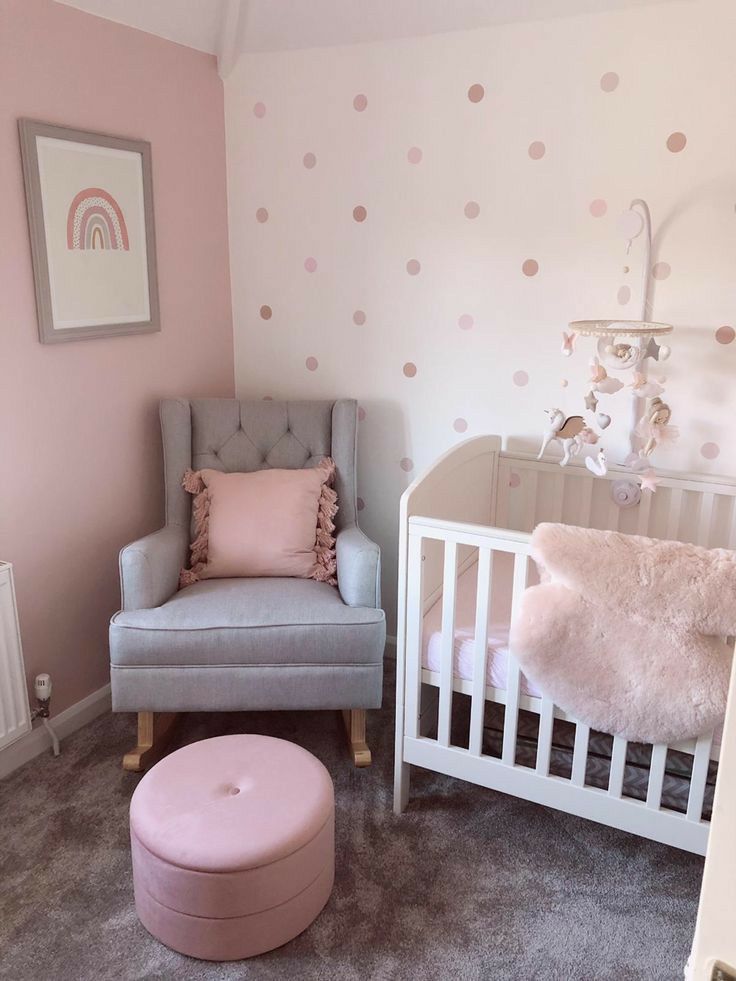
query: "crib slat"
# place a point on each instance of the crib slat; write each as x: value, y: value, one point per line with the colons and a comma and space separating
x: 705, y: 518
x: 586, y: 501
x: 513, y: 679
x: 656, y: 775
x: 480, y: 651
x: 732, y: 536
x: 544, y: 740
x: 618, y: 764
x: 413, y: 652
x: 558, y: 497
x: 530, y: 499
x: 447, y: 644
x: 645, y: 508
x: 701, y: 762
x: 501, y: 519
x: 580, y: 754
x: 614, y: 515
x: 673, y: 515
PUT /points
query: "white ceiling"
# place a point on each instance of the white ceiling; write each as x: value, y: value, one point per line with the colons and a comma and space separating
x: 228, y: 27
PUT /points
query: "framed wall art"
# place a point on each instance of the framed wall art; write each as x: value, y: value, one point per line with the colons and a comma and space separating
x: 90, y: 217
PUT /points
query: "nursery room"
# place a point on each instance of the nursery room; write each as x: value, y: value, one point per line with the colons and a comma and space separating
x: 368, y: 533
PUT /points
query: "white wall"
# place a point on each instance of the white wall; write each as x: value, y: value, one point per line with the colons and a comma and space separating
x: 542, y: 81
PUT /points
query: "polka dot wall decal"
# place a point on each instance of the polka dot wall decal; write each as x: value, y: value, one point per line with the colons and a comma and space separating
x: 259, y: 110
x: 710, y: 450
x: 609, y: 81
x: 676, y: 142
x: 413, y: 267
x: 624, y: 295
x: 530, y: 267
x: 360, y: 102
x: 406, y: 463
x: 312, y: 364
x: 514, y: 479
x: 361, y: 413
x: 360, y: 503
x: 414, y: 156
x: 537, y: 150
x: 661, y: 270
x: 460, y: 425
x: 310, y: 264
x: 266, y: 312
x: 409, y: 369
x: 725, y: 335
x: 359, y: 317
x: 309, y: 160
x: 360, y: 213
x: 262, y: 215
x: 521, y: 378
x: 465, y: 321
x: 472, y: 209
x: 598, y: 208
x: 476, y: 92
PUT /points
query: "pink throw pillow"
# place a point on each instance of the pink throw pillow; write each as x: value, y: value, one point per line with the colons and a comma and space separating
x: 265, y: 523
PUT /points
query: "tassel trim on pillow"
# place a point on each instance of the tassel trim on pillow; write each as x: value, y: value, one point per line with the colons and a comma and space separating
x: 324, y: 549
x: 192, y: 483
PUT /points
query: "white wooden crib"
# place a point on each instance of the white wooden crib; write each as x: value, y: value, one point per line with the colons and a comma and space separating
x: 477, y: 505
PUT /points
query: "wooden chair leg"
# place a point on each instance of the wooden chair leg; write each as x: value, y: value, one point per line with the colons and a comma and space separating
x: 154, y: 732
x: 354, y: 720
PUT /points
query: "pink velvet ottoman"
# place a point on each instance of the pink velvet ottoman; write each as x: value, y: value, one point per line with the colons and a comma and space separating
x: 233, y: 846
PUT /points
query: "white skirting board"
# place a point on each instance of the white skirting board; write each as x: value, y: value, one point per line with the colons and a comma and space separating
x: 37, y: 741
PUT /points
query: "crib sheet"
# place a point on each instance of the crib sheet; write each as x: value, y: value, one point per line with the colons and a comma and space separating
x: 498, y: 632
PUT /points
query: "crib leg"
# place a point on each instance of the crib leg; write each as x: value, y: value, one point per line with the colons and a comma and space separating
x: 402, y: 777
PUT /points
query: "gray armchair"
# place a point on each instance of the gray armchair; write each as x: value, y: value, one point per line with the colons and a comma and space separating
x: 239, y: 644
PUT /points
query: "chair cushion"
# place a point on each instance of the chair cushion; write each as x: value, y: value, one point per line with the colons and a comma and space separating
x: 250, y: 621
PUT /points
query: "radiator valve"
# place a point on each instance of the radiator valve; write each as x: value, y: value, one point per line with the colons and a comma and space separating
x: 42, y: 688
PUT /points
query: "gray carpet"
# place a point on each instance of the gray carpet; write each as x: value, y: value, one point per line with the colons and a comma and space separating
x: 468, y: 884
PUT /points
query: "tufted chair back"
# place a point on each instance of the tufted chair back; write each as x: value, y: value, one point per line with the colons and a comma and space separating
x: 242, y: 436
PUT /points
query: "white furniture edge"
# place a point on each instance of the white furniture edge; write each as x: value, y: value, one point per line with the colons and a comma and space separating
x: 30, y: 745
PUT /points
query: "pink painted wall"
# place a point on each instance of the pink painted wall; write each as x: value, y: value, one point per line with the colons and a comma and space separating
x: 79, y: 442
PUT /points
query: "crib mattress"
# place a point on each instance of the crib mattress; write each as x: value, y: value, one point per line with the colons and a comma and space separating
x: 464, y: 640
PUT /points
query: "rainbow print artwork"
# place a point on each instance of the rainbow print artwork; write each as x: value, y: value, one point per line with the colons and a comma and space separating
x: 95, y: 221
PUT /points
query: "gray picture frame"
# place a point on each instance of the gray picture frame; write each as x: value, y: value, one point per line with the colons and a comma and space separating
x: 29, y: 131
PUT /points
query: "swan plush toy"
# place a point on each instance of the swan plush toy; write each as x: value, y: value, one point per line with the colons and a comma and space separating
x: 571, y: 432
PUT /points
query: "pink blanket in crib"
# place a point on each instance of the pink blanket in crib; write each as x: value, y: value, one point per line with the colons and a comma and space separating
x: 625, y: 632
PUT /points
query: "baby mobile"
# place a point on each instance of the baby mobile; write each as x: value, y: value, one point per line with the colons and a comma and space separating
x: 626, y: 348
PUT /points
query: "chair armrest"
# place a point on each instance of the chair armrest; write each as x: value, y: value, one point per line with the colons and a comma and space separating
x: 149, y: 568
x: 358, y: 568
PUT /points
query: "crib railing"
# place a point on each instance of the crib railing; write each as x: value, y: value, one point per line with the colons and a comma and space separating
x: 611, y: 806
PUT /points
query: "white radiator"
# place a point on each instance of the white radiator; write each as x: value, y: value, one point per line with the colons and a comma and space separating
x: 15, y: 716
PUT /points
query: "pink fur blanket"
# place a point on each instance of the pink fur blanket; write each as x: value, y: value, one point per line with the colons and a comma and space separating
x: 626, y: 633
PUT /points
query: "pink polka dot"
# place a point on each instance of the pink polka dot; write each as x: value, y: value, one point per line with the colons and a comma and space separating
x: 309, y: 160
x: 472, y: 209
x: 460, y: 425
x: 361, y: 413
x: 406, y: 463
x: 609, y: 81
x: 537, y: 150
x: 359, y: 213
x: 359, y: 318
x: 413, y: 267
x: 476, y: 92
x: 598, y: 208
x: 312, y: 364
x: 661, y: 270
x: 624, y: 295
x: 360, y: 503
x: 465, y: 321
x: 676, y: 142
x: 409, y: 369
x: 725, y: 335
x: 710, y: 450
x: 414, y: 156
x: 530, y: 267
x: 262, y: 215
x: 514, y: 479
x: 266, y: 312
x: 360, y: 102
x: 259, y: 110
x: 521, y: 378
x: 310, y: 264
